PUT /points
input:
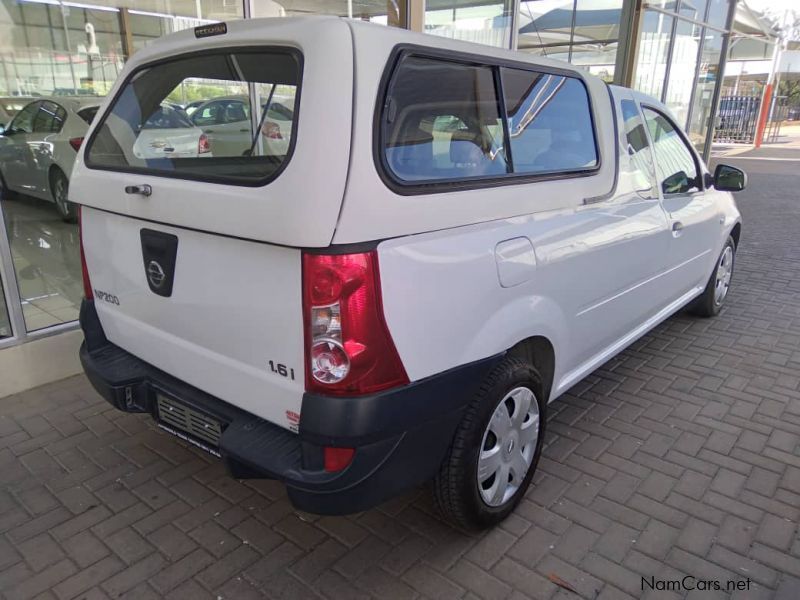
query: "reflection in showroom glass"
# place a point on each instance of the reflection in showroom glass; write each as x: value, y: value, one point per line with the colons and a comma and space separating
x: 5, y: 323
x: 60, y: 59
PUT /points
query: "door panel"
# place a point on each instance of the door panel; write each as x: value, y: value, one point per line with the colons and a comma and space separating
x: 16, y: 159
x: 47, y: 124
x: 613, y: 281
x: 694, y: 216
x: 209, y: 309
x: 595, y: 278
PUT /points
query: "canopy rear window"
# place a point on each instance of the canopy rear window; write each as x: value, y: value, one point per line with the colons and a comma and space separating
x: 241, y: 131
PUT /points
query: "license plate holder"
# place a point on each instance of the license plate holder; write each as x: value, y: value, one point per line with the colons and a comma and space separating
x: 188, y: 424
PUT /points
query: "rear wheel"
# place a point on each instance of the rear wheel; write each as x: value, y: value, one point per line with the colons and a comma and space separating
x: 710, y: 302
x: 495, y: 450
x: 5, y: 193
x: 59, y: 188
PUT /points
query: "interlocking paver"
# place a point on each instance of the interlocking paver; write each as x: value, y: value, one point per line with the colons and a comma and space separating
x: 680, y: 456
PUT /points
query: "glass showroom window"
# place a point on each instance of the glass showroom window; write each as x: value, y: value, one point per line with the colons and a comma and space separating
x: 597, y: 58
x: 670, y: 5
x: 583, y: 32
x: 382, y: 12
x: 651, y: 67
x: 59, y: 60
x: 708, y: 75
x: 694, y: 9
x: 481, y: 21
x: 544, y: 27
x: 717, y: 14
x: 683, y: 65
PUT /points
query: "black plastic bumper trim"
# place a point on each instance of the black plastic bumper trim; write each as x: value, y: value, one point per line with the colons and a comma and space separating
x: 400, y: 435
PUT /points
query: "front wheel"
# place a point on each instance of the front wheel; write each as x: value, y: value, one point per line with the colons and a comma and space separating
x: 710, y: 302
x: 59, y: 188
x: 495, y: 450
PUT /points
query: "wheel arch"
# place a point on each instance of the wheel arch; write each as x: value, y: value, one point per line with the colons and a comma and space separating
x: 736, y: 233
x: 538, y: 351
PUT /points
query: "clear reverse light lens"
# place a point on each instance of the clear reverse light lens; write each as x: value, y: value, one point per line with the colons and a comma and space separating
x: 326, y: 322
x: 329, y: 361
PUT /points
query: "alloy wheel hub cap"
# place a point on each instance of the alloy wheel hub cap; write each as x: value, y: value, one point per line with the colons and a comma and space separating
x: 724, y: 273
x: 509, y: 443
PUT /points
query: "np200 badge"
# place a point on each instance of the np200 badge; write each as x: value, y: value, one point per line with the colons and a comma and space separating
x: 106, y: 297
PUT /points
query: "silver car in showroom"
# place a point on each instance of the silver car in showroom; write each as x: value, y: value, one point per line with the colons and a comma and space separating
x: 38, y: 149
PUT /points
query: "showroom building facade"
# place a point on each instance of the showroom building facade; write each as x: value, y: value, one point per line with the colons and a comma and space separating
x: 72, y: 52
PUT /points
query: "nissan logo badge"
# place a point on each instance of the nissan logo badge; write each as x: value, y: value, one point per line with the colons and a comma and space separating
x: 156, y: 275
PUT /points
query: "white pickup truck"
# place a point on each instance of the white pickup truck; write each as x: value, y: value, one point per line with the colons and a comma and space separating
x: 453, y: 236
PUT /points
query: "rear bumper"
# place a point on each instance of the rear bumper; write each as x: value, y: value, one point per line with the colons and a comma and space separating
x: 400, y: 435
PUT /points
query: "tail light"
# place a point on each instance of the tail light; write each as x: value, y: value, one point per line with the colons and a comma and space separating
x: 76, y: 143
x: 271, y: 130
x: 349, y: 350
x: 87, y: 285
x: 203, y: 147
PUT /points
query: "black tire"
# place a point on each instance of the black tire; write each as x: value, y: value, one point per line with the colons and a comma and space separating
x: 59, y: 187
x: 456, y: 486
x: 5, y: 193
x: 709, y: 303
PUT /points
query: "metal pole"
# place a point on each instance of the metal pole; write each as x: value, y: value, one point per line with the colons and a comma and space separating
x: 628, y: 44
x: 252, y: 92
x: 766, y: 102
x: 69, y: 46
x: 515, y: 8
x: 416, y: 15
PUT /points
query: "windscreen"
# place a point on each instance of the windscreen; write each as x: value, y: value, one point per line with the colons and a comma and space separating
x: 222, y: 137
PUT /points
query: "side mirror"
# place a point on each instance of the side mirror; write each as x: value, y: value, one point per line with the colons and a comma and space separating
x: 729, y: 179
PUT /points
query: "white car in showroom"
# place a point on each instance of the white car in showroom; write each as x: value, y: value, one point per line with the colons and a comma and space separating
x: 454, y: 236
x: 39, y: 145
x: 226, y: 121
x: 168, y: 133
x: 10, y: 106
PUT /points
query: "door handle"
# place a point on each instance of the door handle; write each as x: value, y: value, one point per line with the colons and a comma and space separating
x: 677, y: 228
x: 142, y: 190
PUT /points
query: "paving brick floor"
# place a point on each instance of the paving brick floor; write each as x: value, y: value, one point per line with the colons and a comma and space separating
x: 679, y: 457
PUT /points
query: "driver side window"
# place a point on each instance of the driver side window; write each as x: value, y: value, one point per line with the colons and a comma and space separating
x: 676, y: 169
x: 208, y: 114
x: 23, y: 122
x: 234, y: 112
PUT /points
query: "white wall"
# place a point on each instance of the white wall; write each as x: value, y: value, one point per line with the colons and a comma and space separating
x: 39, y: 361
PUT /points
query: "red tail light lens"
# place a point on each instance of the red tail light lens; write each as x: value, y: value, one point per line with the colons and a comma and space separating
x: 76, y: 143
x: 349, y: 350
x: 336, y: 459
x: 271, y: 130
x: 203, y: 147
x: 87, y: 285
